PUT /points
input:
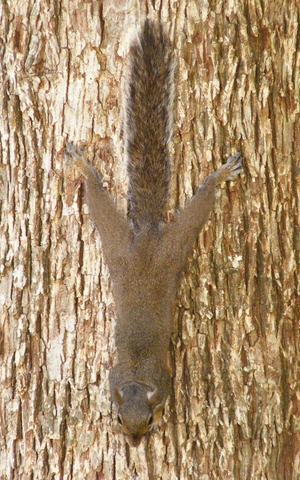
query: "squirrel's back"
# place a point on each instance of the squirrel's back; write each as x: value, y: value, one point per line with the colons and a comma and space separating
x: 148, y: 125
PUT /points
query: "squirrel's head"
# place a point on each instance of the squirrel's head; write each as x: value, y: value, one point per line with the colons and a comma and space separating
x: 139, y: 409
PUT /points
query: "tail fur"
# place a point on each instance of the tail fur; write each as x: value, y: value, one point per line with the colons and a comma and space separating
x: 149, y: 125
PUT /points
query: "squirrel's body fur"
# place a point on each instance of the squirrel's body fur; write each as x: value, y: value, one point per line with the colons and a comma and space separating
x: 144, y: 255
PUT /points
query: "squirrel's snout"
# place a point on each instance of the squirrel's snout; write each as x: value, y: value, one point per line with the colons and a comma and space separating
x: 135, y: 440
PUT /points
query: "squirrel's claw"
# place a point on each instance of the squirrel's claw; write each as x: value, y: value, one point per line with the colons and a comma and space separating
x: 74, y: 156
x: 234, y: 163
x: 71, y: 149
x: 231, y: 168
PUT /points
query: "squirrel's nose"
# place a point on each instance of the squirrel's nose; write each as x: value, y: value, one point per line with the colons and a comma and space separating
x: 135, y: 440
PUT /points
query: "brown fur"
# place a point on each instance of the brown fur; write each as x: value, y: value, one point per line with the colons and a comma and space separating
x: 145, y: 260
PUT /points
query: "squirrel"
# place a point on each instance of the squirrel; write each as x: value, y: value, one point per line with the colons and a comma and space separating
x: 144, y: 254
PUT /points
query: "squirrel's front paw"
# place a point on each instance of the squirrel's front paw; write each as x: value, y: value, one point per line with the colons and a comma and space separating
x: 75, y: 157
x: 231, y: 168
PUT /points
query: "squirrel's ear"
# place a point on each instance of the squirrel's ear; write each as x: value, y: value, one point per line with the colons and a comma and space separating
x: 118, y: 395
x: 152, y: 396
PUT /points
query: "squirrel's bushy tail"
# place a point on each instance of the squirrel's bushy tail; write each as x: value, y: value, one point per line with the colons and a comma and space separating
x: 148, y: 125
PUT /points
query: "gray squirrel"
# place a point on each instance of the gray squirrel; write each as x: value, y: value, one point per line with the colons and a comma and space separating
x: 144, y: 254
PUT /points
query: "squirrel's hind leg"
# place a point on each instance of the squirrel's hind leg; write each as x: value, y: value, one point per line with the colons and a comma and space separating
x: 114, y: 228
x: 180, y: 235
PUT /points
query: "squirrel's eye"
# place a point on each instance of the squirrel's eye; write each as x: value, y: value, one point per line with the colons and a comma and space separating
x: 120, y: 420
x: 150, y: 421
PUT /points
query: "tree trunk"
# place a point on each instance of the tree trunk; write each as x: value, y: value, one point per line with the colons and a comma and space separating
x: 234, y: 410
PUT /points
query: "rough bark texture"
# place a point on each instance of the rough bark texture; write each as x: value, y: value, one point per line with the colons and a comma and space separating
x: 234, y: 411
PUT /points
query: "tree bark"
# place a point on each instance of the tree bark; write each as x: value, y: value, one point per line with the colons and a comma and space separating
x: 234, y: 409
